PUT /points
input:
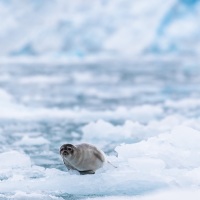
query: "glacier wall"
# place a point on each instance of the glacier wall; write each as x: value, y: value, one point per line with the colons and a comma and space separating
x: 100, y: 27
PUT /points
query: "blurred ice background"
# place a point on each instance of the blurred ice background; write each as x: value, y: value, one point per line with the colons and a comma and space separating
x: 123, y: 75
x: 57, y: 28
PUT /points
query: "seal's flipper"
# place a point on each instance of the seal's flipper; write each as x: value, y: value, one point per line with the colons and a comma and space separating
x: 87, y: 172
x: 111, y: 164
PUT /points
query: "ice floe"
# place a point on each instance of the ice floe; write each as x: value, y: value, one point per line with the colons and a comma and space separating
x: 167, y: 160
x: 183, y: 194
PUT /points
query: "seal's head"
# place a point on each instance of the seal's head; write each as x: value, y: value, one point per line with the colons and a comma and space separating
x: 67, y: 149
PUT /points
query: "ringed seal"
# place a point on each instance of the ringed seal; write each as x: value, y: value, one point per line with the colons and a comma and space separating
x: 84, y: 158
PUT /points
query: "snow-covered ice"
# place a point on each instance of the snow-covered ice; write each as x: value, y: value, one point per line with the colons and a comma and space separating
x: 164, y: 195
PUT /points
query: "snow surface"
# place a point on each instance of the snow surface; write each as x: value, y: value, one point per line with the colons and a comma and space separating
x: 166, y: 160
x: 165, y: 195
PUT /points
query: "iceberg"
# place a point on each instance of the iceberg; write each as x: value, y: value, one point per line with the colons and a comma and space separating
x: 60, y: 28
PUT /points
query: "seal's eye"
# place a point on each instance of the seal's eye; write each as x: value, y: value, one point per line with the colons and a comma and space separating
x: 69, y: 148
x: 61, y: 149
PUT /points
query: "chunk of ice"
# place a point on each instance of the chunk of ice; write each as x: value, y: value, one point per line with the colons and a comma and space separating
x: 14, y: 159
